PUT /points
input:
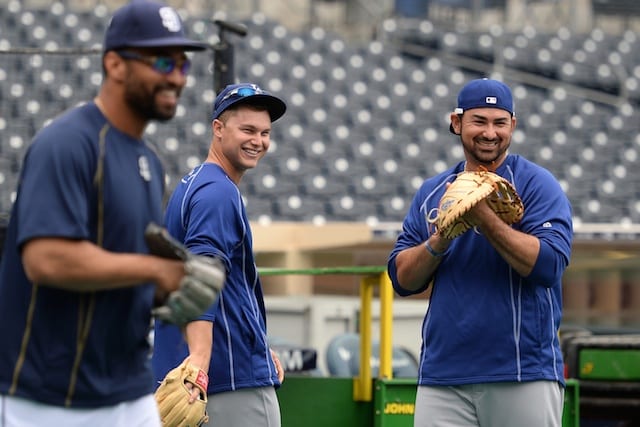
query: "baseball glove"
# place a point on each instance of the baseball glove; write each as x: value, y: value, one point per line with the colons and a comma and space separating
x: 172, y: 397
x: 204, y: 279
x: 465, y: 192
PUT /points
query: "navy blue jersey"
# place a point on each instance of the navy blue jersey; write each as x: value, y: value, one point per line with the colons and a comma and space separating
x: 81, y: 178
x: 486, y: 323
x: 207, y: 214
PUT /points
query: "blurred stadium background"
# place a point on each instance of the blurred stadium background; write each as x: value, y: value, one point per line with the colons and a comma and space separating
x: 369, y: 86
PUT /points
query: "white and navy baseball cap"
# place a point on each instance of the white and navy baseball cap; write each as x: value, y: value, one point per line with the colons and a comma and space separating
x: 484, y: 93
x: 147, y: 23
x: 250, y: 94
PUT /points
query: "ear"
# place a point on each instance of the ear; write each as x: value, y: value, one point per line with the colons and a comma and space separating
x: 114, y: 66
x: 456, y: 123
x: 216, y: 127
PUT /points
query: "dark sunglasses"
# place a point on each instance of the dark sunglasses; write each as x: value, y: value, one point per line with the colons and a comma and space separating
x: 161, y: 64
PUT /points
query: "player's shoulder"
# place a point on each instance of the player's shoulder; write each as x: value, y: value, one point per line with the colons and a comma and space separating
x: 207, y: 175
x: 84, y: 115
x: 79, y: 123
x: 69, y: 138
x: 527, y: 169
x: 209, y: 182
x: 530, y: 178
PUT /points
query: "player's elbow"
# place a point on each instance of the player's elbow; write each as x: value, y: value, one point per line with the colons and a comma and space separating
x: 409, y: 286
x: 549, y: 267
x: 403, y: 279
x: 37, y: 268
x: 41, y: 264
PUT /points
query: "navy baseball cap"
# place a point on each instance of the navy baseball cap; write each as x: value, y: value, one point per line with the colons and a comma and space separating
x: 484, y: 93
x: 250, y: 94
x: 147, y: 23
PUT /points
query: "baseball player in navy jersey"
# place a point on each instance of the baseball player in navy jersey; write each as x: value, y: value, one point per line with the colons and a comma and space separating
x: 76, y: 282
x: 207, y: 214
x: 490, y: 352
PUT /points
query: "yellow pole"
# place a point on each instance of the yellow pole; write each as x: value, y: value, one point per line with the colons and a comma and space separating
x: 362, y: 388
x: 386, y: 323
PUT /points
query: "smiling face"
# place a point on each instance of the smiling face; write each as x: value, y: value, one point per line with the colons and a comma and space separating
x: 485, y: 134
x: 150, y: 91
x: 241, y: 137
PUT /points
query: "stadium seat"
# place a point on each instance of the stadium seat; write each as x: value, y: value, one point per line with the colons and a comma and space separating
x: 347, y: 207
x: 273, y: 184
x: 297, y: 207
x: 260, y: 208
x: 371, y: 187
x: 292, y: 167
x: 322, y: 186
x: 393, y: 208
x: 633, y: 210
x: 343, y: 358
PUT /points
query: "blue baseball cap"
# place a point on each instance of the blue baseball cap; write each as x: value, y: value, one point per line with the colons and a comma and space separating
x: 484, y: 93
x: 250, y: 94
x: 147, y: 23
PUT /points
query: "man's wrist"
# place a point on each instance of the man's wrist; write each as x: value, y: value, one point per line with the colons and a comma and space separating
x: 433, y: 252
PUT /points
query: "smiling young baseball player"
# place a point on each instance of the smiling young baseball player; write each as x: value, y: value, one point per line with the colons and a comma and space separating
x: 207, y: 214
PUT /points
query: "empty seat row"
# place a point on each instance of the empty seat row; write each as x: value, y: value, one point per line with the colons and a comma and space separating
x: 365, y: 125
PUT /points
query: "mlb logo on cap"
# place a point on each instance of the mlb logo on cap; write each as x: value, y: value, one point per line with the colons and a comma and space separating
x: 483, y: 93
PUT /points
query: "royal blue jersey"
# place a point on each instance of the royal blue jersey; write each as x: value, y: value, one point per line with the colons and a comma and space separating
x: 485, y: 322
x: 206, y: 212
x: 80, y: 177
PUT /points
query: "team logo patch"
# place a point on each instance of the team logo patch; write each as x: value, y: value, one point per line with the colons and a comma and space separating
x: 446, y: 205
x: 491, y: 100
x: 170, y: 19
x: 143, y: 168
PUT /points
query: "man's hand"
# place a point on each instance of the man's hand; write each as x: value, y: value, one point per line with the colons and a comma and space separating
x: 279, y: 369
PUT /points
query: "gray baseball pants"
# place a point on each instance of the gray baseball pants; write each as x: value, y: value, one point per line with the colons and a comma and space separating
x: 526, y: 404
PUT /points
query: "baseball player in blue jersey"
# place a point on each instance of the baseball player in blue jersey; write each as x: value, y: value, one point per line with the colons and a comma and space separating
x: 207, y: 214
x: 76, y: 282
x: 490, y: 353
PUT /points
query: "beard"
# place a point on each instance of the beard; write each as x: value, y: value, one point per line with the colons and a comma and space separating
x: 144, y: 103
x: 486, y: 157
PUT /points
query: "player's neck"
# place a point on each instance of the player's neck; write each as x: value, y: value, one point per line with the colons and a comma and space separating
x: 217, y: 157
x: 473, y: 165
x: 119, y: 118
